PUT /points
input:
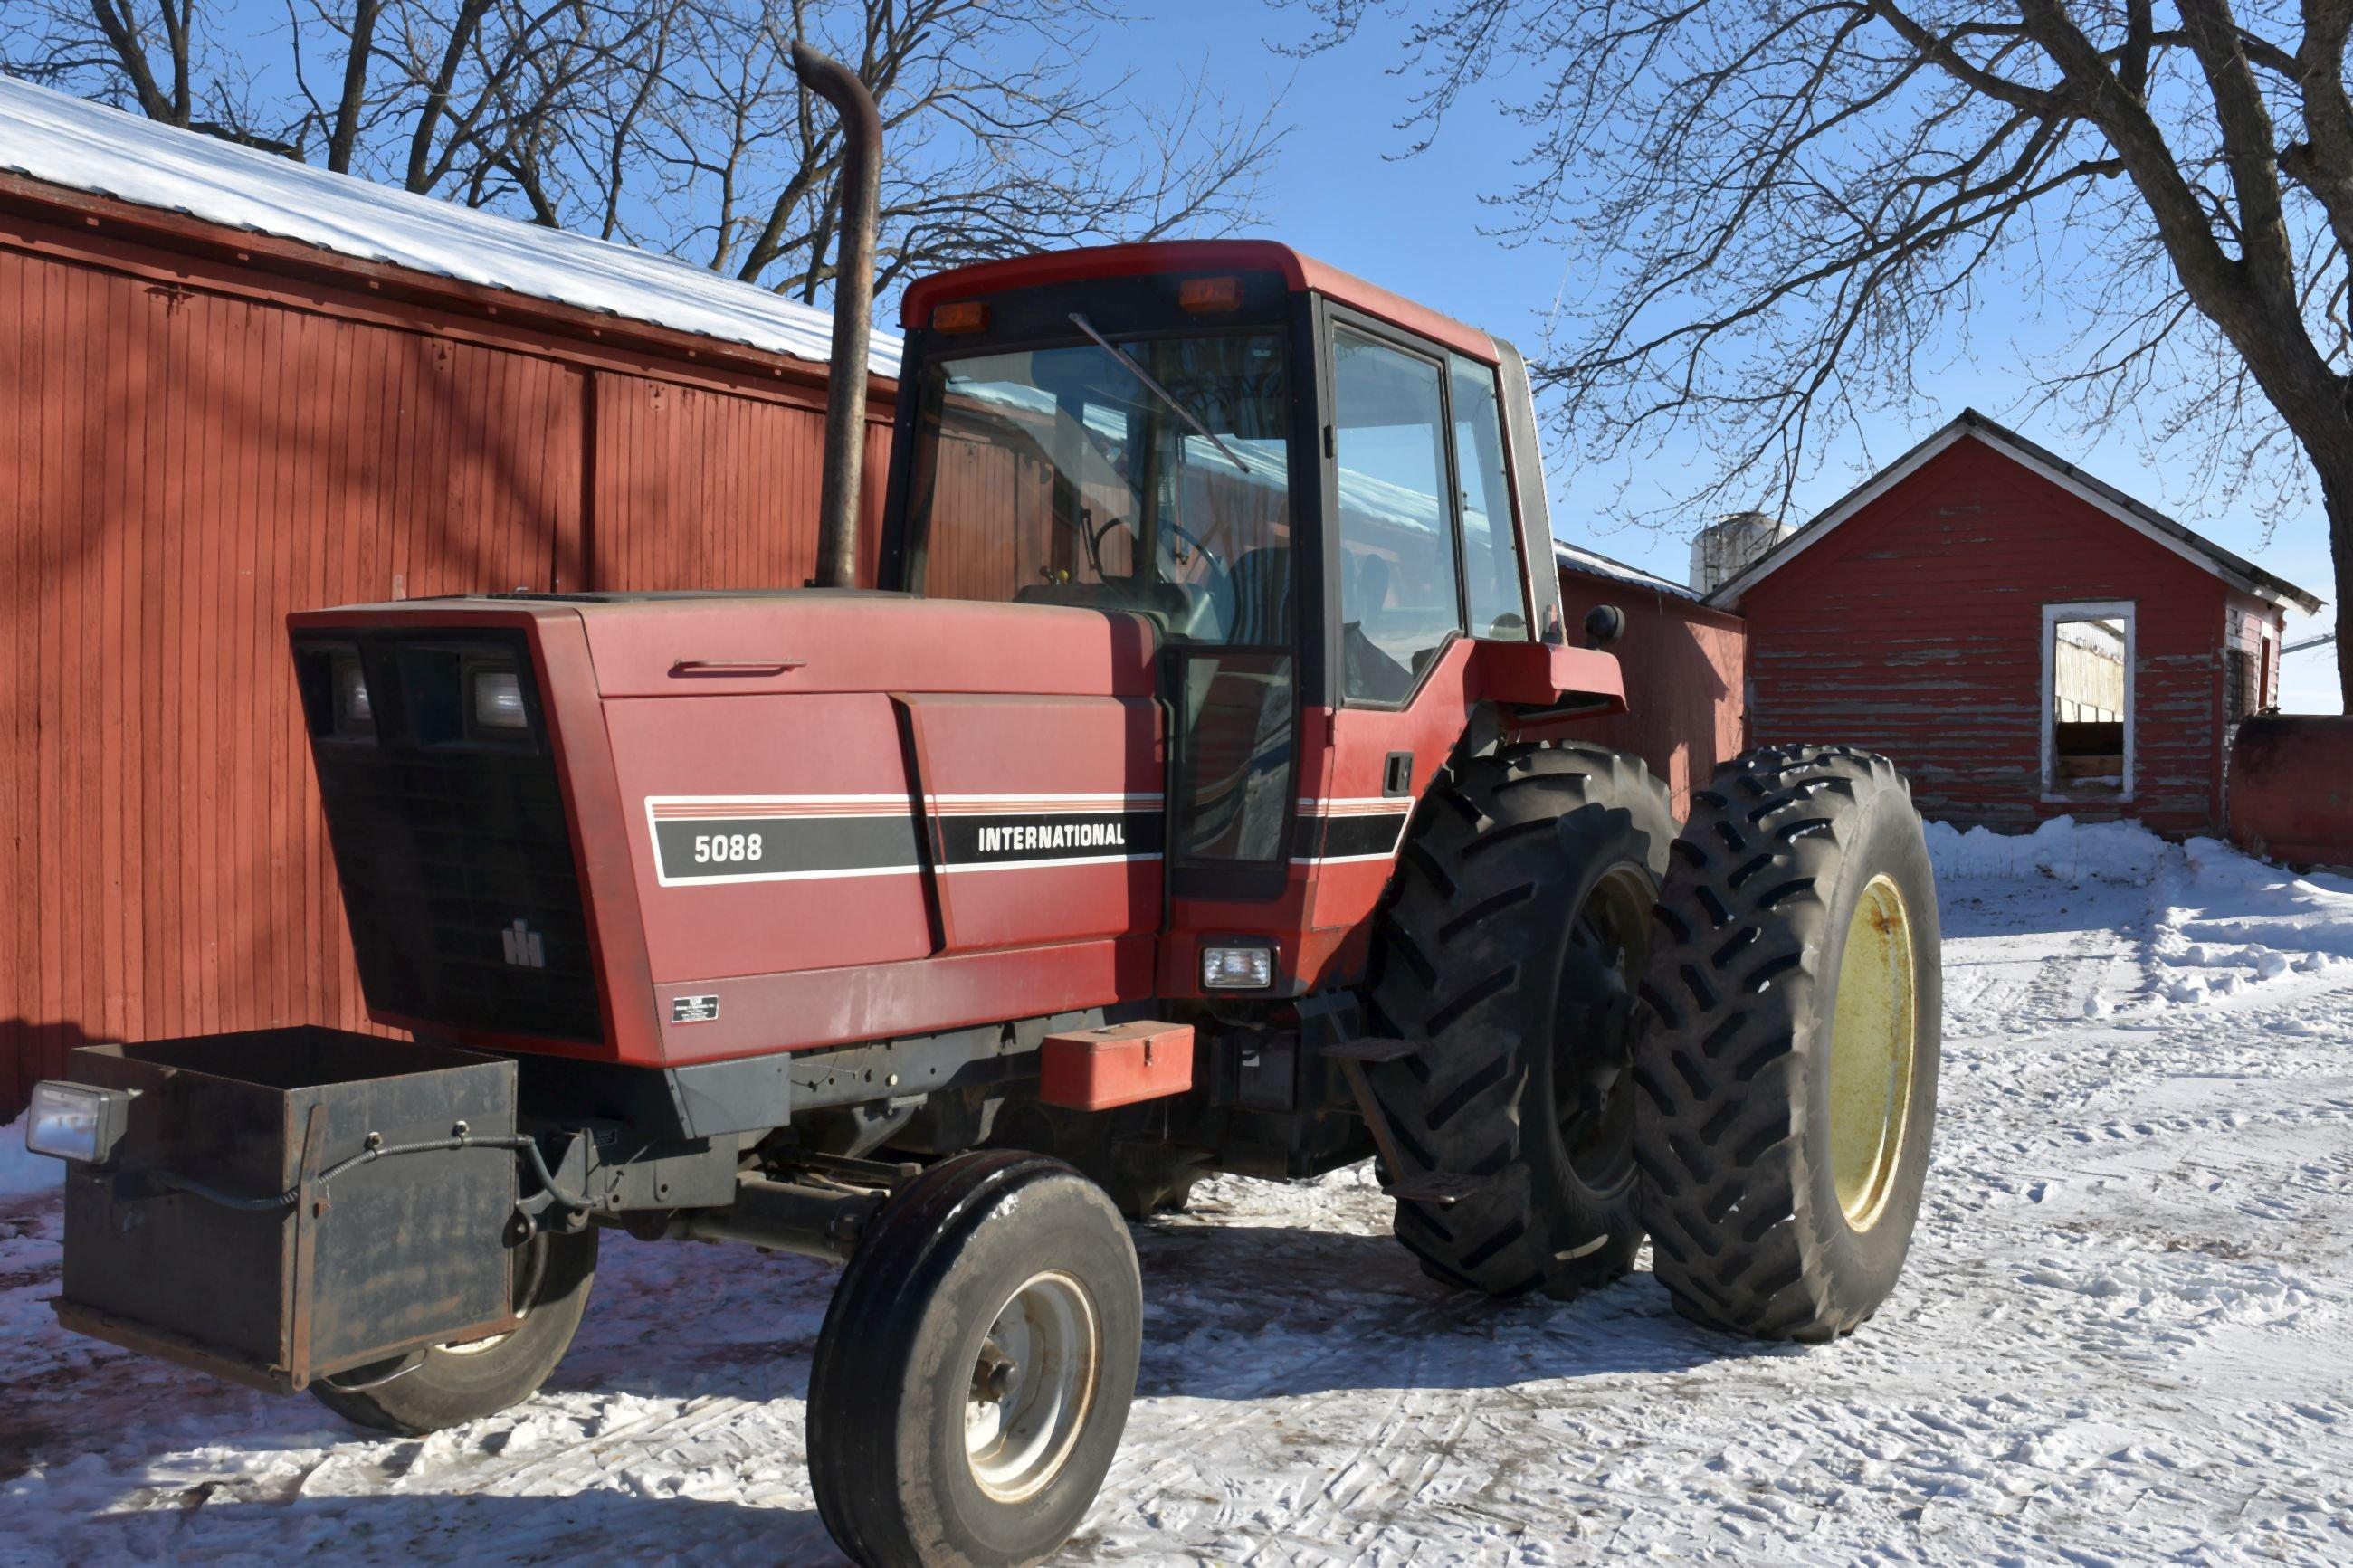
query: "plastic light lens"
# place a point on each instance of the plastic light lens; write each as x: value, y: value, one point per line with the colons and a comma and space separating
x: 1204, y: 295
x: 354, y: 715
x: 69, y: 1122
x: 498, y: 701
x: 960, y: 316
x: 1237, y: 968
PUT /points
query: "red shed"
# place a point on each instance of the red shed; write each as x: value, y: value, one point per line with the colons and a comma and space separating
x: 232, y: 386
x: 2023, y: 639
x: 1684, y: 665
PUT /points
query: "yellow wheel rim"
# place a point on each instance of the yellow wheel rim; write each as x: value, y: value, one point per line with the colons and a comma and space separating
x: 1872, y: 1052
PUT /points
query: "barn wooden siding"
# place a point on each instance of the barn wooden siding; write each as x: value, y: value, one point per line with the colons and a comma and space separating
x: 193, y: 444
x: 1684, y: 665
x: 1917, y: 629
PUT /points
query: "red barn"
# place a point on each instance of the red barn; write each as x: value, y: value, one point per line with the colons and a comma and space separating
x: 2021, y: 638
x: 232, y: 386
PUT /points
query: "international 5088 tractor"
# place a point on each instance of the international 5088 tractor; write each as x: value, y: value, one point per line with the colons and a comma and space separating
x: 1200, y: 792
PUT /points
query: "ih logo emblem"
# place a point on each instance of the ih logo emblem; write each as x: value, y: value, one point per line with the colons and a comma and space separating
x: 523, y: 947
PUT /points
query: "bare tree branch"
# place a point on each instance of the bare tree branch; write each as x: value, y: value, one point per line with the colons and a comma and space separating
x: 1789, y: 209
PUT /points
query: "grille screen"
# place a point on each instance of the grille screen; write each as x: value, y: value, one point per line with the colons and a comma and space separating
x: 442, y: 848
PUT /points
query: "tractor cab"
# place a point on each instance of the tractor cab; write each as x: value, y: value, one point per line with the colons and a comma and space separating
x: 1323, y: 501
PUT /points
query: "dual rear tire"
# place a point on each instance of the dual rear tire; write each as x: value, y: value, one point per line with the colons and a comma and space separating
x: 1764, y: 1114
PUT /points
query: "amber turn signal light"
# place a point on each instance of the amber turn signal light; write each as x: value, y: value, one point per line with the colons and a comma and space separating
x: 960, y: 316
x: 1204, y: 295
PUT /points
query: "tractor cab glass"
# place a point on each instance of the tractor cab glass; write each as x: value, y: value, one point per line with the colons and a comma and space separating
x: 1144, y: 473
x: 1151, y: 475
x: 1428, y: 545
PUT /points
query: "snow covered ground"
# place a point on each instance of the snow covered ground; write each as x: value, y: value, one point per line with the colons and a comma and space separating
x: 2125, y: 1333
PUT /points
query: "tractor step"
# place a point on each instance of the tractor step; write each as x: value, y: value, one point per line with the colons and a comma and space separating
x: 1372, y: 1048
x: 1440, y: 1189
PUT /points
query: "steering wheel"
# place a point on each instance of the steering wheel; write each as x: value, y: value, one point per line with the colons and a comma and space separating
x: 1219, y: 581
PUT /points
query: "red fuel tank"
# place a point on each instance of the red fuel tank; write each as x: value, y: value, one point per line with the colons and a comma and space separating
x: 2291, y: 788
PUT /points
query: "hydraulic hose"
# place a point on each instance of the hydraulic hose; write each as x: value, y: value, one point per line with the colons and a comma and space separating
x: 378, y: 1150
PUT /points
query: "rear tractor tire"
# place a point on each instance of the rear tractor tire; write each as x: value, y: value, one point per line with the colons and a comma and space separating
x: 1509, y: 954
x: 1787, y: 1076
x: 976, y: 1367
x: 452, y: 1384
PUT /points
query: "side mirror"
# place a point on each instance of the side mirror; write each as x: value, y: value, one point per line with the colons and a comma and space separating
x: 1604, y: 624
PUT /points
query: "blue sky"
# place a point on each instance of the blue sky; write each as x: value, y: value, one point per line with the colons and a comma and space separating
x: 1413, y: 225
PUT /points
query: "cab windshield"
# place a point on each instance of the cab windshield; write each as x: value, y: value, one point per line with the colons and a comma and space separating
x: 1058, y: 476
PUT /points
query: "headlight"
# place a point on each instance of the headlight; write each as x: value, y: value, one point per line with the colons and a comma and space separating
x: 354, y: 715
x: 76, y: 1121
x: 498, y: 701
x: 1237, y: 968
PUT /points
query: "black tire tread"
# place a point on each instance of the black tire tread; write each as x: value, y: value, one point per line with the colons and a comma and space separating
x: 1719, y: 1066
x: 855, y: 1459
x: 1476, y: 902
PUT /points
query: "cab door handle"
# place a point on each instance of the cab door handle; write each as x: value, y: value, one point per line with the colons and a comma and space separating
x: 686, y: 668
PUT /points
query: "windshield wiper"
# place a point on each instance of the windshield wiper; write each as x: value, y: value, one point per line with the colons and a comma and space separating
x: 1157, y: 390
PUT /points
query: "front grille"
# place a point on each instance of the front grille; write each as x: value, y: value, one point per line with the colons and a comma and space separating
x: 442, y: 848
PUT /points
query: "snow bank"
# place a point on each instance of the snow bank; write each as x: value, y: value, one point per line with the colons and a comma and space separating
x: 2222, y: 923
x: 2071, y: 851
x: 85, y: 146
x: 2246, y: 921
x: 21, y: 1170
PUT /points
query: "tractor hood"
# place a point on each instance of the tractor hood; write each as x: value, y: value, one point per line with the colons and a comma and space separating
x: 854, y: 640
x: 723, y: 824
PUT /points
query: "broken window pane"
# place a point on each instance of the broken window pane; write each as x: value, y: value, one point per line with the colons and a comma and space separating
x: 2090, y: 704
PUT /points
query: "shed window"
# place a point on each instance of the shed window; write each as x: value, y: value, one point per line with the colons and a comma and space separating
x: 2087, y: 702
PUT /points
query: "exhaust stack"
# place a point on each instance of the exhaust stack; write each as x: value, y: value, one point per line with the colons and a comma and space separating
x: 854, y: 307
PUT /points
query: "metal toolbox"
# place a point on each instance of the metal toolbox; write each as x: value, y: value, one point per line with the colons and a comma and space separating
x: 392, y: 1255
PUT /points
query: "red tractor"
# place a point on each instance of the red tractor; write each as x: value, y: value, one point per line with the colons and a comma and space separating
x: 1200, y: 792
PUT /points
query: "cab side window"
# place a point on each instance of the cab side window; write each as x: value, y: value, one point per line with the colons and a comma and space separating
x: 1491, y: 544
x: 1398, y: 597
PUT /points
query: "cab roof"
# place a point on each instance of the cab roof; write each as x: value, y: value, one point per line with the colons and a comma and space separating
x: 1190, y: 256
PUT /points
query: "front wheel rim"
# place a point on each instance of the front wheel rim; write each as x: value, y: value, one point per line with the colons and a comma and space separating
x: 1874, y: 1048
x: 1032, y: 1386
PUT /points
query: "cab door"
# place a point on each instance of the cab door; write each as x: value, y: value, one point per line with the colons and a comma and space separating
x: 1236, y: 704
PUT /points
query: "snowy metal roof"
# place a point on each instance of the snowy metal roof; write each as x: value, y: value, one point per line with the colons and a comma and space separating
x: 1597, y: 565
x: 65, y: 140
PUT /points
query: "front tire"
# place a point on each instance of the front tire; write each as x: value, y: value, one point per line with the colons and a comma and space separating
x: 976, y: 1367
x: 1788, y: 1076
x: 453, y: 1384
x: 1511, y: 950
